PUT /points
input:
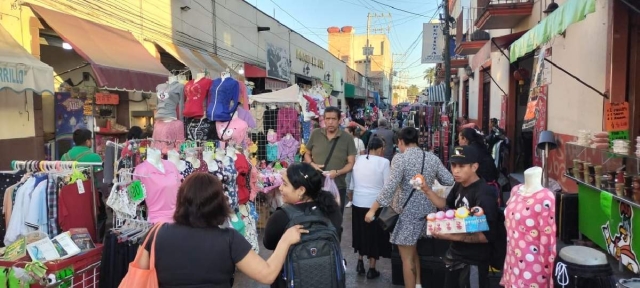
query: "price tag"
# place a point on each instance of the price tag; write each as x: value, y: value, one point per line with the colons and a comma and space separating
x: 80, y: 186
x: 210, y: 145
x: 142, y: 150
x: 136, y: 191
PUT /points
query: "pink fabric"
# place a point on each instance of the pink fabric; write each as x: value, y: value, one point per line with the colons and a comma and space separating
x: 167, y: 131
x: 236, y: 131
x: 161, y: 188
x: 531, y: 239
x: 253, y: 183
x: 244, y: 96
x: 288, y: 123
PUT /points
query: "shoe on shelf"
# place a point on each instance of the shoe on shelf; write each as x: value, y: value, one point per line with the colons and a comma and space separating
x: 348, y: 205
x: 360, y: 267
x: 373, y: 273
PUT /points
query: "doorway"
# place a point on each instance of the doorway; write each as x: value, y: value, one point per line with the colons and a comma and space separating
x: 486, y: 100
x: 522, y: 146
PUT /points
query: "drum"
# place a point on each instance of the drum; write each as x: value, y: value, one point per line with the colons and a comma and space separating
x: 583, y: 267
x: 629, y: 283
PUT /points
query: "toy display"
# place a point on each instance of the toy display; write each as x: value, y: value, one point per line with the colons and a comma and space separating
x: 461, y: 220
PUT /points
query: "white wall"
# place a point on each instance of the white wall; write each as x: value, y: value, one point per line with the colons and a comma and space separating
x: 500, y: 72
x: 584, y: 56
x: 16, y: 112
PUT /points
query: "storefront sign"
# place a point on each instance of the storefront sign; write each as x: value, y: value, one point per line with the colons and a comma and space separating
x: 12, y: 75
x: 610, y: 225
x: 432, y: 43
x: 616, y: 116
x: 107, y: 99
x: 304, y: 57
x: 274, y: 85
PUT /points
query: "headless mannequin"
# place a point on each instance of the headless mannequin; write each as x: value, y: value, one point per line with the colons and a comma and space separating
x: 154, y: 156
x: 171, y: 80
x: 207, y: 156
x: 532, y: 181
x: 199, y: 77
x: 174, y: 157
x: 191, y: 158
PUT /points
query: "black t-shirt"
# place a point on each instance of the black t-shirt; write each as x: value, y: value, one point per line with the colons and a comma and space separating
x: 198, y: 257
x: 476, y: 194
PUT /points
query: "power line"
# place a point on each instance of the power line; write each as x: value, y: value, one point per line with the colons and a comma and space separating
x: 402, y: 10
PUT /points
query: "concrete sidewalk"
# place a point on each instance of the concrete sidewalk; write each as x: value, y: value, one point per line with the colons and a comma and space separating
x: 353, y: 280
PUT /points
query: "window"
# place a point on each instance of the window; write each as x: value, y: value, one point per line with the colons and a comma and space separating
x: 382, y: 48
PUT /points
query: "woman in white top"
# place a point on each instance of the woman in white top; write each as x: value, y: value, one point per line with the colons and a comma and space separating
x: 368, y: 176
x: 351, y: 129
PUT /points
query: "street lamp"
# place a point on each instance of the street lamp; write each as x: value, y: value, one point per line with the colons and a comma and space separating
x: 306, y: 69
x: 327, y: 76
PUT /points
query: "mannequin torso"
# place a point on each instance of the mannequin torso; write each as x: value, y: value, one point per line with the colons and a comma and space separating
x: 154, y: 157
x: 174, y: 157
x: 532, y: 181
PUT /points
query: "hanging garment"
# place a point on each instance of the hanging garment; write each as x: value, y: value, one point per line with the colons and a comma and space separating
x: 272, y: 152
x: 226, y: 172
x: 167, y: 131
x: 197, y: 129
x: 250, y: 227
x: 253, y: 182
x: 235, y: 130
x: 288, y: 122
x: 8, y: 182
x: 170, y: 101
x: 115, y: 260
x: 312, y: 105
x: 190, y: 169
x: 244, y: 96
x: 287, y: 149
x: 270, y: 119
x: 75, y: 208
x: 261, y: 140
x: 162, y: 189
x: 247, y: 117
x: 243, y: 168
x: 306, y: 131
x: 531, y: 239
x: 258, y: 114
x: 223, y: 100
x: 16, y: 220
x: 196, y: 93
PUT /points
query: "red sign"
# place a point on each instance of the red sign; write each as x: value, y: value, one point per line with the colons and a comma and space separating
x: 107, y: 99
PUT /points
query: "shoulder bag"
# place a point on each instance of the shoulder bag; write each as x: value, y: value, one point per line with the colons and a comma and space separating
x: 388, y: 217
x: 143, y: 278
x: 333, y: 147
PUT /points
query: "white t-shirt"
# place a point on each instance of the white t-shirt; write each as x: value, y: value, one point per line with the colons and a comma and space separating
x: 367, y: 179
x: 359, y: 145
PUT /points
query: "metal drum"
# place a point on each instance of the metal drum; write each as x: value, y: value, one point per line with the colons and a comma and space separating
x: 629, y: 283
x: 583, y: 267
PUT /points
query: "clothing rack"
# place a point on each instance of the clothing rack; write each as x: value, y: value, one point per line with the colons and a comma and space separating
x: 54, y: 166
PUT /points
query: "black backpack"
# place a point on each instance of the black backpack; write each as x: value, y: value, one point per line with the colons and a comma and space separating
x: 317, y: 260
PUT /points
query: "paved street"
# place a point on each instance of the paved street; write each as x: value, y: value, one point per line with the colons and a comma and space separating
x: 353, y: 280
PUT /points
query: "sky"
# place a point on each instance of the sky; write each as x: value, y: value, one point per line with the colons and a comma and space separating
x: 311, y: 18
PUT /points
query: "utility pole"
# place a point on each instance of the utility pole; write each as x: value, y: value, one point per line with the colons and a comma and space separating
x: 447, y: 50
x: 368, y: 49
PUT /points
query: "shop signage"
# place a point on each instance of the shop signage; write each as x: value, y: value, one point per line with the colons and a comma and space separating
x: 12, y: 75
x: 278, y: 65
x: 107, y: 99
x: 432, y: 43
x: 610, y: 225
x: 616, y: 116
x: 304, y: 57
x: 274, y: 85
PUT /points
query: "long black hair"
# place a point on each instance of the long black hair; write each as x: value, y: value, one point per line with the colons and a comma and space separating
x: 304, y: 175
x: 374, y: 144
x: 474, y: 137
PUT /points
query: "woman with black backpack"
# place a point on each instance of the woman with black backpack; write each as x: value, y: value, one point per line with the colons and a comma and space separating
x: 317, y: 210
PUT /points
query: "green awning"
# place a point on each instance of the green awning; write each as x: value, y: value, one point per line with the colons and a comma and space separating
x: 349, y: 90
x: 556, y: 23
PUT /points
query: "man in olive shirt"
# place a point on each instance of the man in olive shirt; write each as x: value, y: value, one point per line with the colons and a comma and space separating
x: 343, y: 157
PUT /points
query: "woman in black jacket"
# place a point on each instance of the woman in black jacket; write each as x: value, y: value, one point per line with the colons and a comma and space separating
x: 487, y: 169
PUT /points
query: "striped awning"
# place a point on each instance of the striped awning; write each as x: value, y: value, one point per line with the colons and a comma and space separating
x: 437, y: 93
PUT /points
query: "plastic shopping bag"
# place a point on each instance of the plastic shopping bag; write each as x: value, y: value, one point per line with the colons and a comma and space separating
x: 330, y: 186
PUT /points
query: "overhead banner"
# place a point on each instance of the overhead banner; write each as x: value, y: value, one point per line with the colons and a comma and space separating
x: 432, y: 43
x: 278, y: 62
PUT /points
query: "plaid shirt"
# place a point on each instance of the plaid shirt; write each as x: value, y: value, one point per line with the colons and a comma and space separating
x: 52, y: 204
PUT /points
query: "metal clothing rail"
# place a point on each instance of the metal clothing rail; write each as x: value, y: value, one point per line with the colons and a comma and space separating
x: 55, y: 166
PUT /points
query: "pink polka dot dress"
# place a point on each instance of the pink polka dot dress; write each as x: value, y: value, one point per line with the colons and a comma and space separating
x: 531, y: 239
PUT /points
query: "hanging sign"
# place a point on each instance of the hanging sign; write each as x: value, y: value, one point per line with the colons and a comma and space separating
x: 107, y: 99
x: 616, y: 116
x: 432, y: 43
x: 136, y: 191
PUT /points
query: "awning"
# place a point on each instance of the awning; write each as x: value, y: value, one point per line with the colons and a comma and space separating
x: 353, y: 92
x: 118, y: 60
x: 437, y: 93
x: 556, y: 23
x: 288, y: 95
x: 274, y: 85
x: 197, y: 61
x: 252, y: 71
x: 19, y: 70
x: 306, y: 78
x: 496, y: 44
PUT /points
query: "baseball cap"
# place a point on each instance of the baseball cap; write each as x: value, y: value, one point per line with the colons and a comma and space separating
x: 464, y: 155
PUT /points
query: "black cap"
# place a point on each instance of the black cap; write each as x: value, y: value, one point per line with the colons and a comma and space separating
x: 464, y: 155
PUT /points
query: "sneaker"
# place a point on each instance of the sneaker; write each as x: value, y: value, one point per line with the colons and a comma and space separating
x: 348, y: 205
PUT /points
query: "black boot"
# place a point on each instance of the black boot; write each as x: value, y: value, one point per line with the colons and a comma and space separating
x: 373, y: 273
x: 360, y: 267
